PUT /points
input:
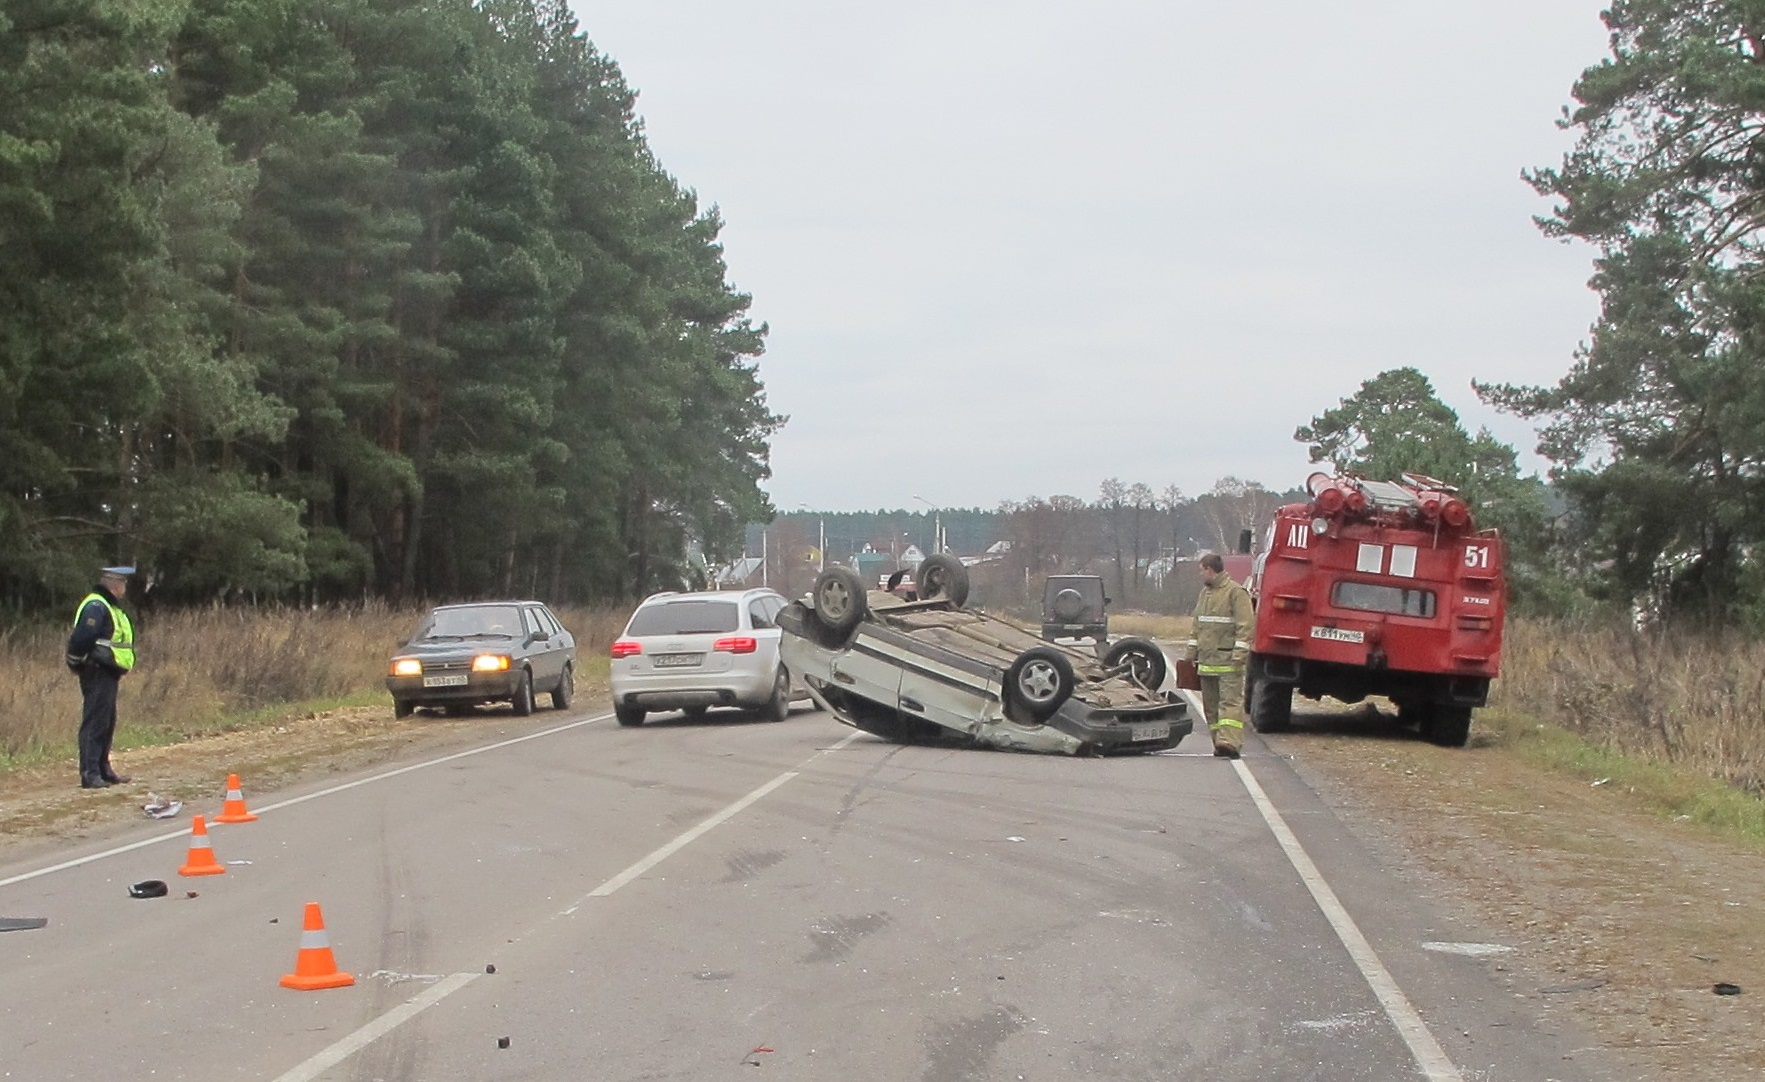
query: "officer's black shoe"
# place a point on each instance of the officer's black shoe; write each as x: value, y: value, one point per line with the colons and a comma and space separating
x: 1225, y: 753
x: 94, y: 783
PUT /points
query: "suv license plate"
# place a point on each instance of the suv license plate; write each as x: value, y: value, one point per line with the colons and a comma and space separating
x: 1159, y: 730
x: 677, y: 661
x: 456, y: 680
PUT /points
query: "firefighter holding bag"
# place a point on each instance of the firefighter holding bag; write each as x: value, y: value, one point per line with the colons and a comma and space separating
x: 1225, y: 624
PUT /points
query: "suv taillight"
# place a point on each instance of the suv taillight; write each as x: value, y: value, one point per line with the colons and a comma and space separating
x: 737, y: 644
x: 626, y: 648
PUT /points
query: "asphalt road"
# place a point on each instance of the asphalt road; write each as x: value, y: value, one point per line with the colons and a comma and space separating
x: 737, y: 899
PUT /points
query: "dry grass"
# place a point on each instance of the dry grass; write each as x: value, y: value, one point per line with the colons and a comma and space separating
x: 1687, y: 701
x: 217, y: 670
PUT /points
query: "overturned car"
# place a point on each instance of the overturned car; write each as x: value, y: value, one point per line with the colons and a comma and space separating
x: 928, y: 670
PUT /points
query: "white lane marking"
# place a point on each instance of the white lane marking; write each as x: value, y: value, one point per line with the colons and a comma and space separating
x: 132, y: 846
x: 685, y: 839
x: 1429, y: 1056
x: 378, y: 1028
x: 383, y: 1025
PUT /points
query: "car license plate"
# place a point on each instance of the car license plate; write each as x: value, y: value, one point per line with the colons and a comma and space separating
x: 1151, y: 730
x: 677, y: 661
x: 452, y: 680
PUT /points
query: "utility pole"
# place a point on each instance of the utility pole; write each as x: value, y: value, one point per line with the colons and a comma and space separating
x: 937, y: 524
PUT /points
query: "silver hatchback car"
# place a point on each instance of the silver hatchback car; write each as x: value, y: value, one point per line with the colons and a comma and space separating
x: 693, y: 651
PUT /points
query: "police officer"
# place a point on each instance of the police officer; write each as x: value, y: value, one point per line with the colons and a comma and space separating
x: 1225, y: 622
x: 101, y: 650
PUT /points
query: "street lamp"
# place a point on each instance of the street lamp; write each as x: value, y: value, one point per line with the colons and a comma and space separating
x: 937, y: 524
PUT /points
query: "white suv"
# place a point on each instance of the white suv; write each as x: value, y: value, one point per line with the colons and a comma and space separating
x: 693, y: 651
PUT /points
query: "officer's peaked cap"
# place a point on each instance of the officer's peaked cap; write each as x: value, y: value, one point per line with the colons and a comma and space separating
x: 123, y: 571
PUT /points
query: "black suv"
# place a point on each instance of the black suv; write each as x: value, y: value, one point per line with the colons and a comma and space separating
x: 1073, y: 607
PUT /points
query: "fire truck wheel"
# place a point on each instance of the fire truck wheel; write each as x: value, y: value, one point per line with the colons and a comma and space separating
x: 839, y: 599
x: 1145, y: 661
x: 1448, y: 726
x: 1271, y: 705
x: 1039, y: 681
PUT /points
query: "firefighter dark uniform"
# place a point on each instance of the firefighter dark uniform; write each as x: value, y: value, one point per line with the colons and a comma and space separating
x: 1225, y: 623
x: 101, y: 649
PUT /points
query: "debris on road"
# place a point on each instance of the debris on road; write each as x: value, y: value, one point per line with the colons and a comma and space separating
x: 148, y: 888
x: 158, y: 807
x: 1726, y: 989
x: 25, y: 924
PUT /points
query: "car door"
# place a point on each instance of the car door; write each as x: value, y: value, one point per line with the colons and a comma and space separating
x: 543, y: 650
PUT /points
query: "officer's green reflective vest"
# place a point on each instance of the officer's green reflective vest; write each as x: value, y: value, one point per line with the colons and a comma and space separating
x: 121, y: 643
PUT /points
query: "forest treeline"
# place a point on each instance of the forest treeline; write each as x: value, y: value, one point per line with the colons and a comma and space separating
x: 321, y: 299
x: 329, y: 299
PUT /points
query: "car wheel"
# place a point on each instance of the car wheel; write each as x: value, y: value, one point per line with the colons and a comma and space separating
x: 523, y: 700
x: 401, y: 708
x: 1039, y: 681
x: 1143, y: 660
x: 629, y: 715
x: 778, y: 707
x: 943, y: 578
x: 566, y: 689
x: 839, y: 599
x: 1068, y: 605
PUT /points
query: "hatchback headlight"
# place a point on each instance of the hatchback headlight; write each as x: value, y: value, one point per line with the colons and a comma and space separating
x: 490, y: 663
x: 407, y: 666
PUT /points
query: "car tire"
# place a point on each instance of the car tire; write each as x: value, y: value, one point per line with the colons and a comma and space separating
x: 840, y: 600
x: 1068, y: 605
x: 566, y: 689
x: 694, y: 713
x: 522, y: 703
x: 778, y: 707
x: 1146, y: 663
x: 629, y: 716
x: 402, y: 708
x: 943, y: 578
x: 1039, y: 681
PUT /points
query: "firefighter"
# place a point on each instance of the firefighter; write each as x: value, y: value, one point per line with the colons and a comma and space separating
x: 101, y: 649
x: 1224, y: 626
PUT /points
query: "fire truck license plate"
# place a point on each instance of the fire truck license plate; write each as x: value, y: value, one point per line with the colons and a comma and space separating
x: 1152, y: 730
x: 1338, y: 634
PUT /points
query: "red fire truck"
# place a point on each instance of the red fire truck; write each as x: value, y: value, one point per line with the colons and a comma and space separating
x: 1378, y: 588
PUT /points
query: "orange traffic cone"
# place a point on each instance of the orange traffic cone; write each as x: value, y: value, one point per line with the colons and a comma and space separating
x: 233, y: 808
x: 314, y: 966
x: 200, y: 860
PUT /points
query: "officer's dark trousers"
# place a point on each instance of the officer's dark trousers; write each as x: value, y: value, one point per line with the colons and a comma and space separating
x: 97, y: 722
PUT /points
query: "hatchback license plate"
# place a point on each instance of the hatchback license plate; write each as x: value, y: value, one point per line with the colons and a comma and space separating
x: 1152, y: 730
x: 453, y: 680
x: 677, y: 661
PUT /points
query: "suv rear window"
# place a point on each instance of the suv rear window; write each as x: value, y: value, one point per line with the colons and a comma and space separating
x: 1372, y: 597
x: 685, y: 618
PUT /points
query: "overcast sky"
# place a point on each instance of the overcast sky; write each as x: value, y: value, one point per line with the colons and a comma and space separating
x: 1010, y: 248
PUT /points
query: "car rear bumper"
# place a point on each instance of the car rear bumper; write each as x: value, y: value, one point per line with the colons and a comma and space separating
x: 675, y: 691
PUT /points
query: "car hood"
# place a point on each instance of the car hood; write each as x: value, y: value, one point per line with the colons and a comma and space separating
x: 430, y: 648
